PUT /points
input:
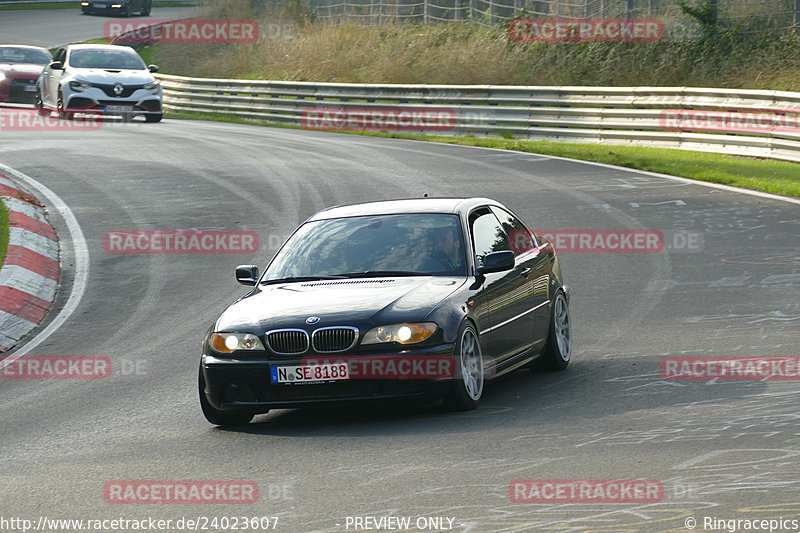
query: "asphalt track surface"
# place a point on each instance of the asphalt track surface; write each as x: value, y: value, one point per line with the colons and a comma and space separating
x: 52, y: 28
x: 724, y: 449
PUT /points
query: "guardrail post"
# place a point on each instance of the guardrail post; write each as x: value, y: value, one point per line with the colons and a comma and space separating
x: 797, y: 16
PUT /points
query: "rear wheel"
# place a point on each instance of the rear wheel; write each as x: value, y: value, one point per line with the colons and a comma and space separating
x: 146, y: 9
x: 128, y: 11
x: 153, y: 118
x: 215, y: 416
x: 468, y: 380
x: 558, y: 350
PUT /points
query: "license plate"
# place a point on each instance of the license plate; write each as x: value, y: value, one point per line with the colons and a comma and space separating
x: 309, y: 373
x: 119, y: 109
x: 29, y: 88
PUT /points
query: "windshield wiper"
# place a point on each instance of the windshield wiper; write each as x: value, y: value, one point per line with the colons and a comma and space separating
x: 299, y: 278
x: 381, y: 273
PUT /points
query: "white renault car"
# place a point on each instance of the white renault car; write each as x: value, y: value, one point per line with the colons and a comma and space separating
x: 99, y: 79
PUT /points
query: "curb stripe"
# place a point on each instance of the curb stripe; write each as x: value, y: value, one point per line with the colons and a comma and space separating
x: 23, y: 221
x: 29, y: 275
x: 23, y: 305
x: 81, y: 251
x: 30, y: 260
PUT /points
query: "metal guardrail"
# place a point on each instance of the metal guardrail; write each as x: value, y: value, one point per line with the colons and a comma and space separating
x: 731, y: 121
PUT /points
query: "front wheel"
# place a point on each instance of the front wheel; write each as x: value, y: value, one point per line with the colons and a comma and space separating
x: 38, y: 104
x: 558, y: 350
x: 62, y: 112
x: 468, y: 379
x: 146, y: 9
x: 153, y: 118
x: 215, y: 416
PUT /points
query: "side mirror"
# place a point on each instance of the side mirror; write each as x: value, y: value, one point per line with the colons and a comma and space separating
x: 497, y: 262
x: 152, y: 68
x: 247, y: 274
x: 56, y: 65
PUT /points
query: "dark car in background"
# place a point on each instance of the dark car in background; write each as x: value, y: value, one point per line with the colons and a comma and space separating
x: 405, y: 299
x: 125, y: 8
x: 20, y: 67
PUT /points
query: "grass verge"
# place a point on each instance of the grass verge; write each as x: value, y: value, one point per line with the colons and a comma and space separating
x: 766, y: 175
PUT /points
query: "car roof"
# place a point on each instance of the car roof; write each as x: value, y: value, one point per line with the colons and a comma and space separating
x: 97, y: 47
x: 409, y: 205
x: 28, y: 46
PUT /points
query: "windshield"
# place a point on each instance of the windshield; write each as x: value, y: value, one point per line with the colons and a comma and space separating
x: 122, y: 59
x: 17, y: 54
x: 408, y: 244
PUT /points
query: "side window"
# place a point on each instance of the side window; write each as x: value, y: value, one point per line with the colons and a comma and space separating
x: 60, y: 55
x: 521, y: 238
x: 487, y: 234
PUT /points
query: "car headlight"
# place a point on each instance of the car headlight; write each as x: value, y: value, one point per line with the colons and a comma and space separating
x: 230, y: 342
x: 407, y: 333
x: 78, y: 85
x: 151, y: 86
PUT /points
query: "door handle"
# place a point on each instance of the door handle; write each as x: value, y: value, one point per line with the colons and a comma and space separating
x: 525, y: 272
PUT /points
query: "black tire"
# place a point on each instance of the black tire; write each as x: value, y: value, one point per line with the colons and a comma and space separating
x: 128, y: 13
x: 146, y: 10
x: 558, y: 350
x: 468, y: 381
x: 153, y: 118
x: 64, y: 115
x: 38, y: 104
x: 215, y: 416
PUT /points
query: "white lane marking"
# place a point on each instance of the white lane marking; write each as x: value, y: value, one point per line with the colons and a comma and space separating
x: 626, y: 169
x: 81, y: 251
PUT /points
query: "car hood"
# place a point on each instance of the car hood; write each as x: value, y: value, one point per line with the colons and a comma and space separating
x: 126, y: 77
x: 21, y: 70
x: 351, y: 302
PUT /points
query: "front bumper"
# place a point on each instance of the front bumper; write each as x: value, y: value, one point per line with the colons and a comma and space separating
x: 103, y: 10
x: 95, y: 101
x: 19, y: 91
x: 244, y: 385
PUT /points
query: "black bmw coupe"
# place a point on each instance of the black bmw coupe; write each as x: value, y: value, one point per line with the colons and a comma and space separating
x: 405, y: 299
